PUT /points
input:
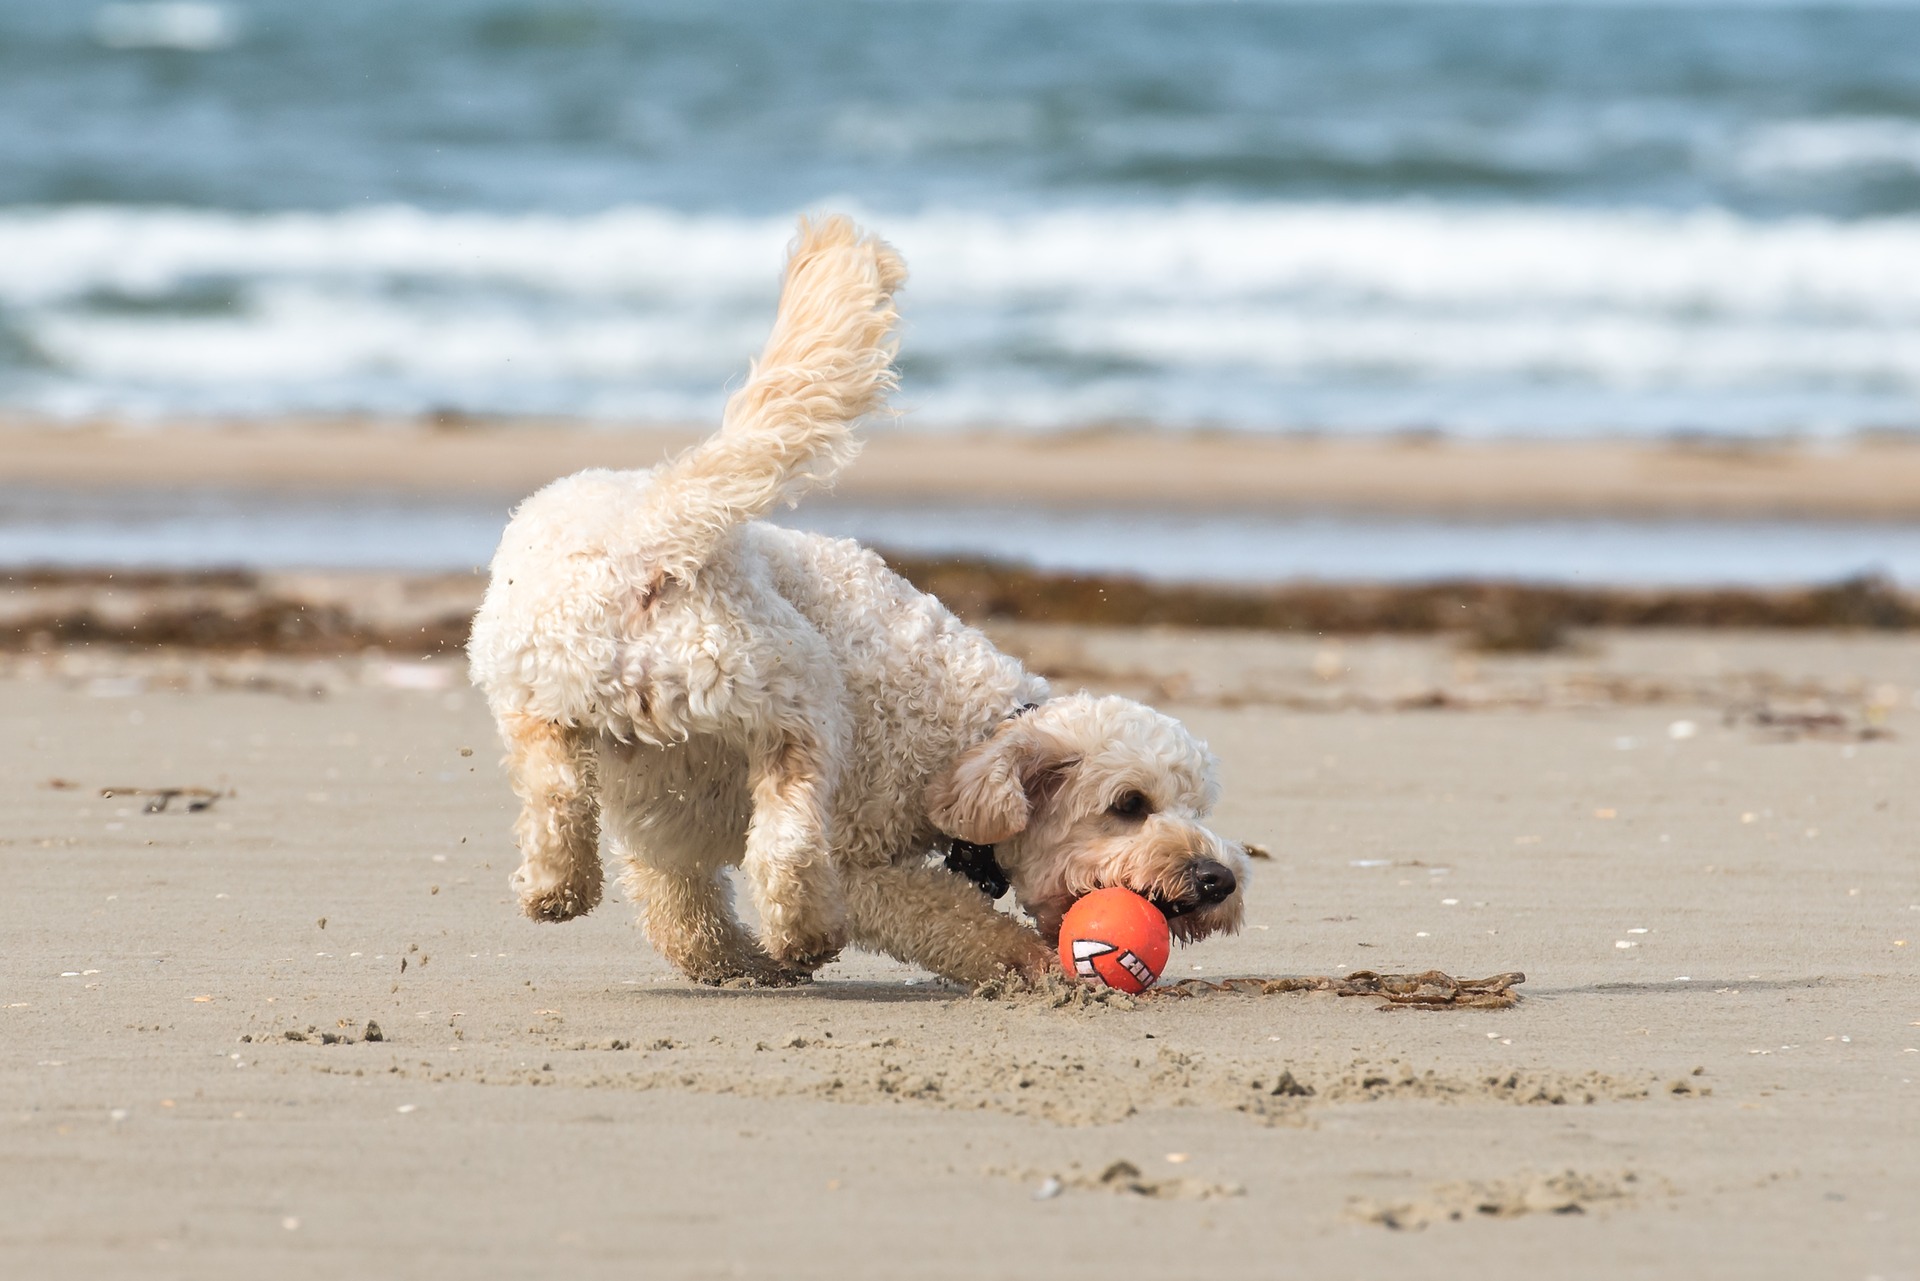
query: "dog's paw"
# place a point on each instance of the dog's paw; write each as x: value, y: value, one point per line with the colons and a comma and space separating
x: 742, y: 967
x: 802, y: 960
x: 1023, y: 965
x: 762, y: 977
x: 805, y: 949
x: 545, y: 897
x: 804, y: 940
x: 1037, y: 966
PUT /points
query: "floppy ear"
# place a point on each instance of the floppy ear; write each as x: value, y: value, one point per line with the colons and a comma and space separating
x: 987, y: 795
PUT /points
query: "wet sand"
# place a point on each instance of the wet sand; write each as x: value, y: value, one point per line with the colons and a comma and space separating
x: 1872, y: 479
x: 1697, y: 846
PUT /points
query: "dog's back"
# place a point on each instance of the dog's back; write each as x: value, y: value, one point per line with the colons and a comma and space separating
x: 585, y: 558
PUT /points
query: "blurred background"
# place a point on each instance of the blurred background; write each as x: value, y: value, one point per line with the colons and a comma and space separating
x: 1666, y: 226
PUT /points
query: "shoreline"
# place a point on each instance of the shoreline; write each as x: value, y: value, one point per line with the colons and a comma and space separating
x: 1864, y: 480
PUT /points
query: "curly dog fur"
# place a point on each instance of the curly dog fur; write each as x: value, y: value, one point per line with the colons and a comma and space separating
x: 697, y: 690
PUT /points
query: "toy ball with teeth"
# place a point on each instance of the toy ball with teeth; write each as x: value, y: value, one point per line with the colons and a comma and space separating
x: 1114, y: 936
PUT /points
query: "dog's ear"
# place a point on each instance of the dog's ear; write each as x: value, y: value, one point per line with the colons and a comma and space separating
x: 989, y: 793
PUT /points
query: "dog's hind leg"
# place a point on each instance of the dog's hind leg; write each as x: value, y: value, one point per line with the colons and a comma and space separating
x: 931, y: 917
x: 676, y: 818
x: 788, y: 861
x: 551, y: 768
x: 688, y: 917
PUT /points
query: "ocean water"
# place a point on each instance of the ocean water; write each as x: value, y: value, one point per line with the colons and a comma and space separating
x: 1517, y: 218
x: 189, y: 529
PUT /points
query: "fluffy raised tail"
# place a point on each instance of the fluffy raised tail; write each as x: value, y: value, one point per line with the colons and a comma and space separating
x: 828, y: 362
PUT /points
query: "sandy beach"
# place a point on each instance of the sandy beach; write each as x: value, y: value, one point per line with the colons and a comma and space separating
x: 1697, y: 846
x: 1494, y: 429
x: 1866, y: 479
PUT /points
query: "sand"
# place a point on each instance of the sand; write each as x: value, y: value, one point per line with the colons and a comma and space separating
x: 1698, y: 847
x: 1867, y: 479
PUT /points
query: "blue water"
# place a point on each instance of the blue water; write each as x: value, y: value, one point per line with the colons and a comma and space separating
x: 1525, y: 218
x: 213, y: 528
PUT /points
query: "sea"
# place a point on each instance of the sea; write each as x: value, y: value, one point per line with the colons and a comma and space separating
x: 1515, y: 218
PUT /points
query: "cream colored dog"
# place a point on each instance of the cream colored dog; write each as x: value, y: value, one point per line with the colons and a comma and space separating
x: 701, y: 690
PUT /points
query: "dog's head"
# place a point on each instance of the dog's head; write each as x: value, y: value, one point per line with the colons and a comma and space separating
x: 1082, y: 793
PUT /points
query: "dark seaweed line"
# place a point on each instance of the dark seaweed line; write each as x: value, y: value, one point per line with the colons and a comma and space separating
x: 230, y: 610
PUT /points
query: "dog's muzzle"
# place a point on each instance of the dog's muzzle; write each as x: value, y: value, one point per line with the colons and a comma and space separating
x: 1212, y: 883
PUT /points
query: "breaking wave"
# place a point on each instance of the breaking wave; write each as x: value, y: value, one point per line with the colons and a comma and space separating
x: 1275, y: 316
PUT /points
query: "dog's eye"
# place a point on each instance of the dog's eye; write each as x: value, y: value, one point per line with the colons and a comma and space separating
x: 1130, y: 805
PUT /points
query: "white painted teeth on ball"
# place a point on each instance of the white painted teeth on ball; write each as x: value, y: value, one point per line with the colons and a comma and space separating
x: 1084, y: 950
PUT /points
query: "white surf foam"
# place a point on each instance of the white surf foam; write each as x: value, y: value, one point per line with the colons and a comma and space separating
x: 1255, y: 315
x: 167, y: 24
x: 1811, y: 148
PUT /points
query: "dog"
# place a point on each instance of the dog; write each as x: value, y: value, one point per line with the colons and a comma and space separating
x: 695, y: 689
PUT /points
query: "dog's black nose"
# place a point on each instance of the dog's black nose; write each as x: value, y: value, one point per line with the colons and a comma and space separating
x: 1213, y: 881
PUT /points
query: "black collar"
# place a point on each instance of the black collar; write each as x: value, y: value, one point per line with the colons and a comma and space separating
x: 976, y: 862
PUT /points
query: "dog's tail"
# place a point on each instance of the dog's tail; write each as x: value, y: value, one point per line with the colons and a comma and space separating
x: 828, y: 361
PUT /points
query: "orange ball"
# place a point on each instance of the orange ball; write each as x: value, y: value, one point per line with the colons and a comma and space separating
x: 1114, y: 936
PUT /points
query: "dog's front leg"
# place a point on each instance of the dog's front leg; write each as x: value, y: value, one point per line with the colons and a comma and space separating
x: 788, y: 864
x: 929, y: 916
x: 551, y: 767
